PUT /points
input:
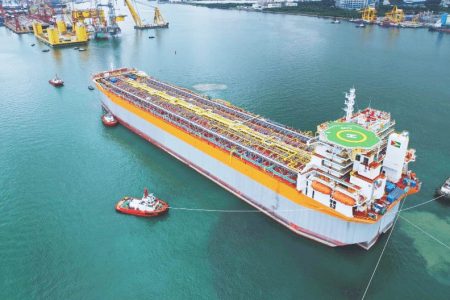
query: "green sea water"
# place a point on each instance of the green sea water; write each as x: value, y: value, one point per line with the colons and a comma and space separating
x: 61, y: 171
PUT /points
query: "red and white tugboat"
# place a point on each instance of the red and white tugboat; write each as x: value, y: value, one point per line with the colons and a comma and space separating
x: 147, y: 206
x: 109, y: 120
x: 56, y: 82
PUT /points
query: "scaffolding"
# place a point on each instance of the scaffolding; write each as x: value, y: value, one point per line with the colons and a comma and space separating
x: 266, y: 144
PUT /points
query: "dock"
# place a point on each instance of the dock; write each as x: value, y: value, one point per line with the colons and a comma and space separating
x: 19, y: 24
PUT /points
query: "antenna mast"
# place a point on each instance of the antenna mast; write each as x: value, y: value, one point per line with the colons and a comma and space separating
x: 349, y: 103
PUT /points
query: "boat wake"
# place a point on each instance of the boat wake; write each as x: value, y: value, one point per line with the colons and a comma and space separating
x: 208, y: 87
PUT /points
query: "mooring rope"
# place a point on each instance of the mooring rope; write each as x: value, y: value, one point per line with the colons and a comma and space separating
x: 423, y: 203
x: 216, y: 210
x: 382, y: 251
x: 428, y: 234
x: 238, y: 210
x: 285, y: 210
x: 392, y: 230
x: 296, y: 210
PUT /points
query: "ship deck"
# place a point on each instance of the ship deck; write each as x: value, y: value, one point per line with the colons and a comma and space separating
x: 273, y: 147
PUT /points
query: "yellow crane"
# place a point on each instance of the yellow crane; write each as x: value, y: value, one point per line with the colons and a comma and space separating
x: 95, y: 14
x: 395, y: 16
x: 158, y: 20
x: 134, y: 14
x: 369, y: 14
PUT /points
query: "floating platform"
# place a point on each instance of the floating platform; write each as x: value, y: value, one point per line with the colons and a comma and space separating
x: 16, y: 27
x: 151, y: 26
x: 59, y: 36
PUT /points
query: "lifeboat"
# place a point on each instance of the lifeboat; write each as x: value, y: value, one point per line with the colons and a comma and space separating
x: 320, y: 187
x: 56, y: 82
x: 343, y: 198
x: 147, y: 206
x: 109, y: 120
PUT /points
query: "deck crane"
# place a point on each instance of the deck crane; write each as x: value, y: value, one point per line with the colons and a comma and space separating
x: 158, y: 20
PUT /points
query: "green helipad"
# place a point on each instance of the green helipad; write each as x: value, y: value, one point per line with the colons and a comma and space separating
x: 351, y: 136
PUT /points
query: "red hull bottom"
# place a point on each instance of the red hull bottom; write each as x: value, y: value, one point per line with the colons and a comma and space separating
x: 109, y: 123
x: 139, y: 213
x: 56, y: 84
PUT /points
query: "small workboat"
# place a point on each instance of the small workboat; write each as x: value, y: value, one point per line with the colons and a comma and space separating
x: 76, y: 48
x: 32, y: 45
x: 361, y: 25
x: 444, y: 190
x: 56, y: 82
x: 82, y: 49
x: 151, y: 37
x: 336, y: 21
x: 45, y: 50
x: 147, y: 206
x: 109, y: 120
x: 91, y: 88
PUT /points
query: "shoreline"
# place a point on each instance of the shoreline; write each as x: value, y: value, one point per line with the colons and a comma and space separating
x: 349, y: 14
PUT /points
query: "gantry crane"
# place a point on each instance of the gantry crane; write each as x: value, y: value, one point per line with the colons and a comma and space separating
x: 369, y: 15
x: 395, y: 16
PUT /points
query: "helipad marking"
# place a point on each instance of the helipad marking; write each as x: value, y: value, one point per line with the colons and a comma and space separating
x: 351, y: 135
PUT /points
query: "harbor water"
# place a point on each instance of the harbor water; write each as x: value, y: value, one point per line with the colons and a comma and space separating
x: 62, y: 171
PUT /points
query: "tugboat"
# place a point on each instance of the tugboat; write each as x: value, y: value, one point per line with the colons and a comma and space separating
x: 109, y: 120
x: 445, y: 189
x: 56, y: 82
x: 147, y: 206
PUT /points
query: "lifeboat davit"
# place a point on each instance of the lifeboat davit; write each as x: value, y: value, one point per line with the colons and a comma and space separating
x: 109, y: 120
x: 147, y: 206
x: 343, y: 198
x: 320, y: 187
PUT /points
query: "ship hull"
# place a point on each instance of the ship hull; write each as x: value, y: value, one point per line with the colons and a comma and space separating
x: 311, y: 223
x: 138, y: 213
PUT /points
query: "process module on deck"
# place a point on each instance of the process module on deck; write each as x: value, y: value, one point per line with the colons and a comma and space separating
x: 342, y: 186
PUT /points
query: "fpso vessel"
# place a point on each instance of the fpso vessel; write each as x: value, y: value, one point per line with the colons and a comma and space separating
x: 341, y: 186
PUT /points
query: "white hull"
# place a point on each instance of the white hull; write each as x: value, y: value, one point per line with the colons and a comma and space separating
x: 313, y: 224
